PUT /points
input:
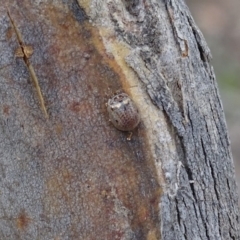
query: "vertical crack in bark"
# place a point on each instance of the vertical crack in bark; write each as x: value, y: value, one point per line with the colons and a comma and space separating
x: 184, y: 225
x: 190, y: 177
x: 178, y: 212
x: 204, y: 54
x: 25, y: 56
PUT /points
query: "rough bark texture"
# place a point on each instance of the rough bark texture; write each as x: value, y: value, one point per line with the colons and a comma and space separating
x: 66, y: 172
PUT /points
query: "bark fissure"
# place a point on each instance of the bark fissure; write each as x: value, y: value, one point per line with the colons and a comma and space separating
x: 202, y: 46
x: 29, y: 66
x: 178, y: 213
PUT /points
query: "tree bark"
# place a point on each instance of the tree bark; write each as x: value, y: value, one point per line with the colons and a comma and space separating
x: 66, y: 172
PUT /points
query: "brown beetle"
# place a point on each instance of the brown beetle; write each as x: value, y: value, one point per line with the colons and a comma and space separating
x: 123, y: 112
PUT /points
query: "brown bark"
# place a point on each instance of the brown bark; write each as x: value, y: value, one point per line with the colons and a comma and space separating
x: 66, y: 172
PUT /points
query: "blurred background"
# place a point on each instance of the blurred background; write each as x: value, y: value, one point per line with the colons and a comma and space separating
x: 219, y: 22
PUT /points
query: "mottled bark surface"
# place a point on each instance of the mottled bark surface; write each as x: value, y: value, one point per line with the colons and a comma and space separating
x: 65, y: 171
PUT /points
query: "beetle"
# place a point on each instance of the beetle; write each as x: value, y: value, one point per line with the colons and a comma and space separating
x: 123, y: 113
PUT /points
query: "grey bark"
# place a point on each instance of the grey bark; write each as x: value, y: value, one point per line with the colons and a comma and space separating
x: 72, y: 175
x: 183, y: 84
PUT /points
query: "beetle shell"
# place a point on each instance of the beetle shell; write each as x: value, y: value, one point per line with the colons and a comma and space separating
x: 123, y: 112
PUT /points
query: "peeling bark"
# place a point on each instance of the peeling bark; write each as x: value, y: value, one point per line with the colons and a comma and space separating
x: 66, y: 172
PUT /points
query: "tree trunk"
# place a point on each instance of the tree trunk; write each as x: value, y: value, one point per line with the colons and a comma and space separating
x: 66, y: 171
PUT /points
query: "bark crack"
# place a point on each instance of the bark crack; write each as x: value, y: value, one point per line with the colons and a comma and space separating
x: 25, y: 52
x: 205, y: 54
